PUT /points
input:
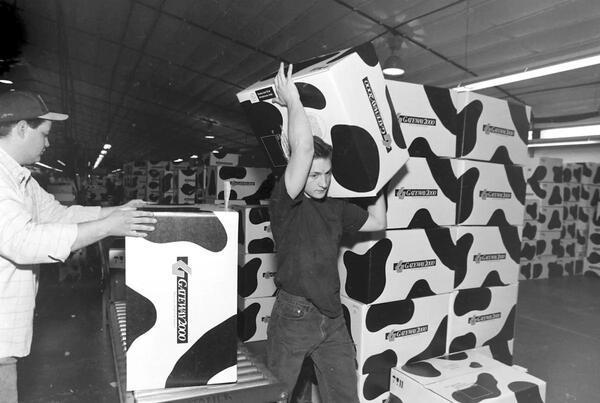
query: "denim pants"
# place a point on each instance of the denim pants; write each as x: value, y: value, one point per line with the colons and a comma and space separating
x: 297, y: 329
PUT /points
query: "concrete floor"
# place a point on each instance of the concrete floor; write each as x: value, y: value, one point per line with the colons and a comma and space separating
x: 557, y: 339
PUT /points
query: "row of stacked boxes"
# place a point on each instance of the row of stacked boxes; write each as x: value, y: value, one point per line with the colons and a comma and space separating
x: 419, y: 289
x: 561, y: 199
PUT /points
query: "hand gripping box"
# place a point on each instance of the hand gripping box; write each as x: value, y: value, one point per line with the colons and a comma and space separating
x: 486, y: 256
x: 423, y: 194
x: 255, y: 234
x: 181, y: 300
x: 428, y: 118
x: 396, y: 264
x: 489, y: 194
x: 253, y: 318
x: 393, y: 333
x: 492, y: 129
x: 256, y: 275
x: 543, y: 169
x: 249, y: 184
x: 465, y: 377
x: 481, y: 316
x: 348, y: 105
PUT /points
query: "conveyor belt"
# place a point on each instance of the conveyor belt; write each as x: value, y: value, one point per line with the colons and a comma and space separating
x: 255, y: 383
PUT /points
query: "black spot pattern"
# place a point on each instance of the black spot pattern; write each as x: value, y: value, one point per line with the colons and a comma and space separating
x: 596, y: 179
x: 396, y: 129
x: 591, y: 274
x: 259, y: 215
x: 212, y: 183
x: 443, y: 107
x: 595, y: 238
x: 365, y: 279
x: 531, y: 210
x: 423, y: 368
x: 389, y: 313
x: 207, y: 232
x: 507, y: 332
x: 485, y: 387
x: 557, y: 174
x: 141, y: 315
x: 474, y: 299
x: 248, y: 277
x: 593, y: 258
x: 511, y: 241
x: 246, y: 321
x: 526, y: 270
x: 462, y: 343
x: 263, y: 192
x: 420, y: 289
x: 232, y: 195
x: 466, y: 184
x: 557, y: 249
x: 540, y: 246
x: 421, y: 148
x: 226, y: 173
x: 377, y: 368
x: 555, y: 197
x: 348, y: 320
x: 466, y: 126
x: 211, y: 354
x: 583, y: 217
x: 570, y: 268
x: 576, y: 192
x: 500, y: 351
x: 355, y: 158
x: 567, y: 174
x: 461, y: 254
x: 311, y: 96
x: 567, y: 194
x: 526, y: 392
x: 596, y: 219
x: 529, y: 231
x: 266, y: 121
x: 188, y: 189
x: 501, y: 156
x: 537, y: 270
x: 453, y: 257
x: 441, y: 170
x: 518, y: 114
x: 437, y: 346
x: 263, y: 245
x: 167, y: 182
x: 516, y: 180
x: 555, y: 222
x: 577, y: 174
x: 422, y: 219
x: 493, y: 280
x: 581, y: 239
x: 570, y: 249
x: 365, y: 51
x: 541, y: 218
x: 555, y: 269
x: 528, y: 252
x: 498, y: 219
x: 595, y: 199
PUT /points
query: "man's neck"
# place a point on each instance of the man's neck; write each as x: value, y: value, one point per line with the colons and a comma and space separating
x: 10, y: 151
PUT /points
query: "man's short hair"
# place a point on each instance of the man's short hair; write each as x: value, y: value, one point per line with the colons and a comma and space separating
x: 6, y: 127
x: 321, y: 148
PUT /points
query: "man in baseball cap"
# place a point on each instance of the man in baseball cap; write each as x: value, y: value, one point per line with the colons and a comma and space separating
x: 35, y: 228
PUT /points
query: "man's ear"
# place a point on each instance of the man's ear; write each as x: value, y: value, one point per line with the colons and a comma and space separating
x: 21, y: 128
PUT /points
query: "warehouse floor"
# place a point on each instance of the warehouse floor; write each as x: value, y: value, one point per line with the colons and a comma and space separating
x: 557, y: 339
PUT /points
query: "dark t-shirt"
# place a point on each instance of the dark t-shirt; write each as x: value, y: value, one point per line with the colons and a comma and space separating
x: 308, y: 233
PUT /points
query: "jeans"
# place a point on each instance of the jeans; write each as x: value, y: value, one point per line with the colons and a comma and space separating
x: 297, y: 329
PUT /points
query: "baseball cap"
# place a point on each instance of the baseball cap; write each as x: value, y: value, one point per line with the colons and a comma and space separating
x: 23, y: 105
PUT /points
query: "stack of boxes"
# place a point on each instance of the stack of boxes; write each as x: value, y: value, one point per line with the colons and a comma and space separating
x: 546, y: 229
x: 588, y: 220
x: 135, y: 176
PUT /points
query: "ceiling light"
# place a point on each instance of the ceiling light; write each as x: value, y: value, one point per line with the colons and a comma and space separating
x: 565, y: 132
x: 107, y: 146
x: 215, y: 151
x: 178, y: 160
x: 391, y: 66
x: 4, y: 81
x: 534, y: 73
x: 564, y: 143
x: 103, y: 152
x: 194, y: 156
x: 208, y: 136
x: 61, y: 163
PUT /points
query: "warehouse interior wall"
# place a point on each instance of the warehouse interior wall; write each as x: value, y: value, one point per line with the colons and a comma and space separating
x: 578, y: 153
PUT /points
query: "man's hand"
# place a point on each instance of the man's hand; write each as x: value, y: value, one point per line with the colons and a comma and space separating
x: 127, y: 221
x: 285, y: 89
x: 136, y: 203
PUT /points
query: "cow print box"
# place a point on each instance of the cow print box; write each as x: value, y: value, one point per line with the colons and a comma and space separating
x: 490, y: 194
x: 249, y: 184
x: 544, y: 169
x: 423, y: 194
x: 486, y: 256
x: 255, y: 234
x: 181, y: 300
x: 492, y: 129
x: 481, y: 316
x: 253, y: 318
x: 428, y: 118
x: 348, y: 106
x: 465, y: 378
x: 393, y: 333
x: 256, y: 275
x: 186, y: 186
x: 396, y: 264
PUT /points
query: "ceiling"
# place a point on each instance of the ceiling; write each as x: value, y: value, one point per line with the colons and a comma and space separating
x: 154, y: 77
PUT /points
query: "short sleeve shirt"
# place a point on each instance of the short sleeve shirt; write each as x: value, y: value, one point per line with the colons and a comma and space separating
x: 308, y: 234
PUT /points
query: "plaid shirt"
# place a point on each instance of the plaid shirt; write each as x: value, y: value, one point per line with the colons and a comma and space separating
x: 34, y: 229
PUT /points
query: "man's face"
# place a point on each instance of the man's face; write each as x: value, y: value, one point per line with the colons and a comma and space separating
x: 319, y: 178
x: 36, y: 142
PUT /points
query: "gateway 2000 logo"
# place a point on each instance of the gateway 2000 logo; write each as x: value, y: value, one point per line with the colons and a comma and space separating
x: 415, y: 264
x: 401, y: 193
x: 181, y: 271
x: 494, y: 194
x: 394, y: 334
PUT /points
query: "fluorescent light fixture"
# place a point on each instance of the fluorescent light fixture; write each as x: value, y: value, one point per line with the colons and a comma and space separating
x: 208, y: 136
x: 565, y: 143
x: 116, y: 170
x: 566, y: 132
x: 61, y: 163
x: 534, y: 73
x: 107, y: 146
x: 194, y: 156
x: 5, y: 81
x: 40, y: 164
x: 178, y: 160
x: 215, y: 151
x: 103, y: 152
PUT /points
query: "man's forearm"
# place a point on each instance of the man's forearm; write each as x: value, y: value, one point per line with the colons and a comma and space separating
x: 89, y: 233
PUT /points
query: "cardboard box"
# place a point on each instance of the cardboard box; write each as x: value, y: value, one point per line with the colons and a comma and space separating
x: 227, y: 159
x: 423, y: 194
x: 348, y: 105
x: 543, y: 169
x: 255, y: 234
x: 547, y: 242
x: 499, y: 350
x: 588, y: 171
x: 572, y: 211
x: 167, y: 188
x: 550, y: 218
x: 553, y: 194
x: 590, y: 195
x: 396, y: 264
x: 428, y: 118
x: 571, y: 193
x: 374, y: 387
x: 256, y: 275
x: 534, y: 270
x: 393, y: 333
x: 490, y: 194
x: 248, y: 184
x: 486, y: 256
x: 492, y: 129
x: 480, y: 316
x: 468, y: 378
x: 253, y: 318
x: 186, y: 186
x: 181, y: 300
x: 572, y: 172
